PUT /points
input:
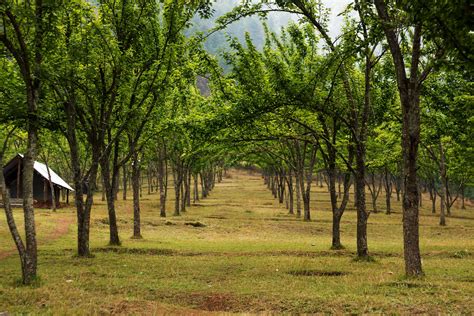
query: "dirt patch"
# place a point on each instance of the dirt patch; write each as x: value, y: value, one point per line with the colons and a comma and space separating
x: 137, y: 251
x: 61, y: 229
x: 128, y: 307
x: 216, y: 217
x: 305, y: 272
x: 140, y: 307
x: 215, y: 301
x: 195, y: 224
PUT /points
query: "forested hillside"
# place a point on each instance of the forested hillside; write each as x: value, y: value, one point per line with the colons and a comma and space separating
x: 218, y: 42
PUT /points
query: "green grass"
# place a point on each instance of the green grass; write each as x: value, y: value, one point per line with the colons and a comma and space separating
x: 251, y: 257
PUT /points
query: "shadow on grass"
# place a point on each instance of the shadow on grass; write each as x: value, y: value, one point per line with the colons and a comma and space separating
x: 369, y: 259
x: 139, y: 251
x: 305, y: 272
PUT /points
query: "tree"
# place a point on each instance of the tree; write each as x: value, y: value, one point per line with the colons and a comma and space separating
x: 428, y: 25
x: 23, y: 36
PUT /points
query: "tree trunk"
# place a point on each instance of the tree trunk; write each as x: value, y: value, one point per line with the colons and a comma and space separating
x: 103, y: 191
x: 306, y: 198
x: 336, y: 217
x: 161, y: 182
x: 298, y: 193
x: 28, y: 56
x: 281, y: 187
x: 116, y: 184
x: 188, y: 188
x: 409, y: 92
x: 109, y: 188
x: 13, y: 228
x: 203, y: 185
x: 398, y: 187
x: 374, y: 191
x: 274, y: 186
x: 83, y: 208
x: 136, y: 196
x: 339, y: 192
x: 442, y: 214
x: 336, y: 232
x: 196, y: 188
x: 183, y: 191
x: 433, y: 196
x: 388, y: 192
x: 290, y: 193
x: 30, y: 267
x: 177, y: 191
x: 410, y: 140
x: 448, y: 198
x: 124, y: 181
x: 442, y: 171
x: 362, y: 215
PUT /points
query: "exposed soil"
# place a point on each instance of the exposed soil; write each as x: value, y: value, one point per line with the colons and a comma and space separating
x: 61, y: 228
x: 214, y: 301
x: 195, y: 224
x: 148, y: 308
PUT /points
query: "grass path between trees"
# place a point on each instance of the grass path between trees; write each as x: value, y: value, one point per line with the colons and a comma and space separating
x: 251, y: 256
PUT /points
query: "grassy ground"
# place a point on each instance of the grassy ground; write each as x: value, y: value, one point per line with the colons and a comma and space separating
x: 250, y: 257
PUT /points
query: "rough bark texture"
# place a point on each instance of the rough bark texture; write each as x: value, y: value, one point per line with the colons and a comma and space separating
x: 409, y: 91
x: 362, y: 215
x: 136, y: 196
x: 178, y: 179
x: 374, y: 188
x: 11, y: 223
x: 388, y: 192
x: 124, y: 181
x: 83, y: 208
x: 433, y: 195
x: 28, y: 56
x: 290, y: 193
x: 162, y: 178
x: 298, y: 193
x: 109, y: 187
x: 337, y: 211
x: 443, y: 193
x: 188, y: 188
x: 195, y: 188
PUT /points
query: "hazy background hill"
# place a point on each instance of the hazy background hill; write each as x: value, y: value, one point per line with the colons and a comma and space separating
x: 217, y: 42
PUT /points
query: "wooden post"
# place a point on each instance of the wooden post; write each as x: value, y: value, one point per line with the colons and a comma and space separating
x: 18, y: 179
x: 57, y: 196
x: 45, y: 191
x: 67, y: 197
